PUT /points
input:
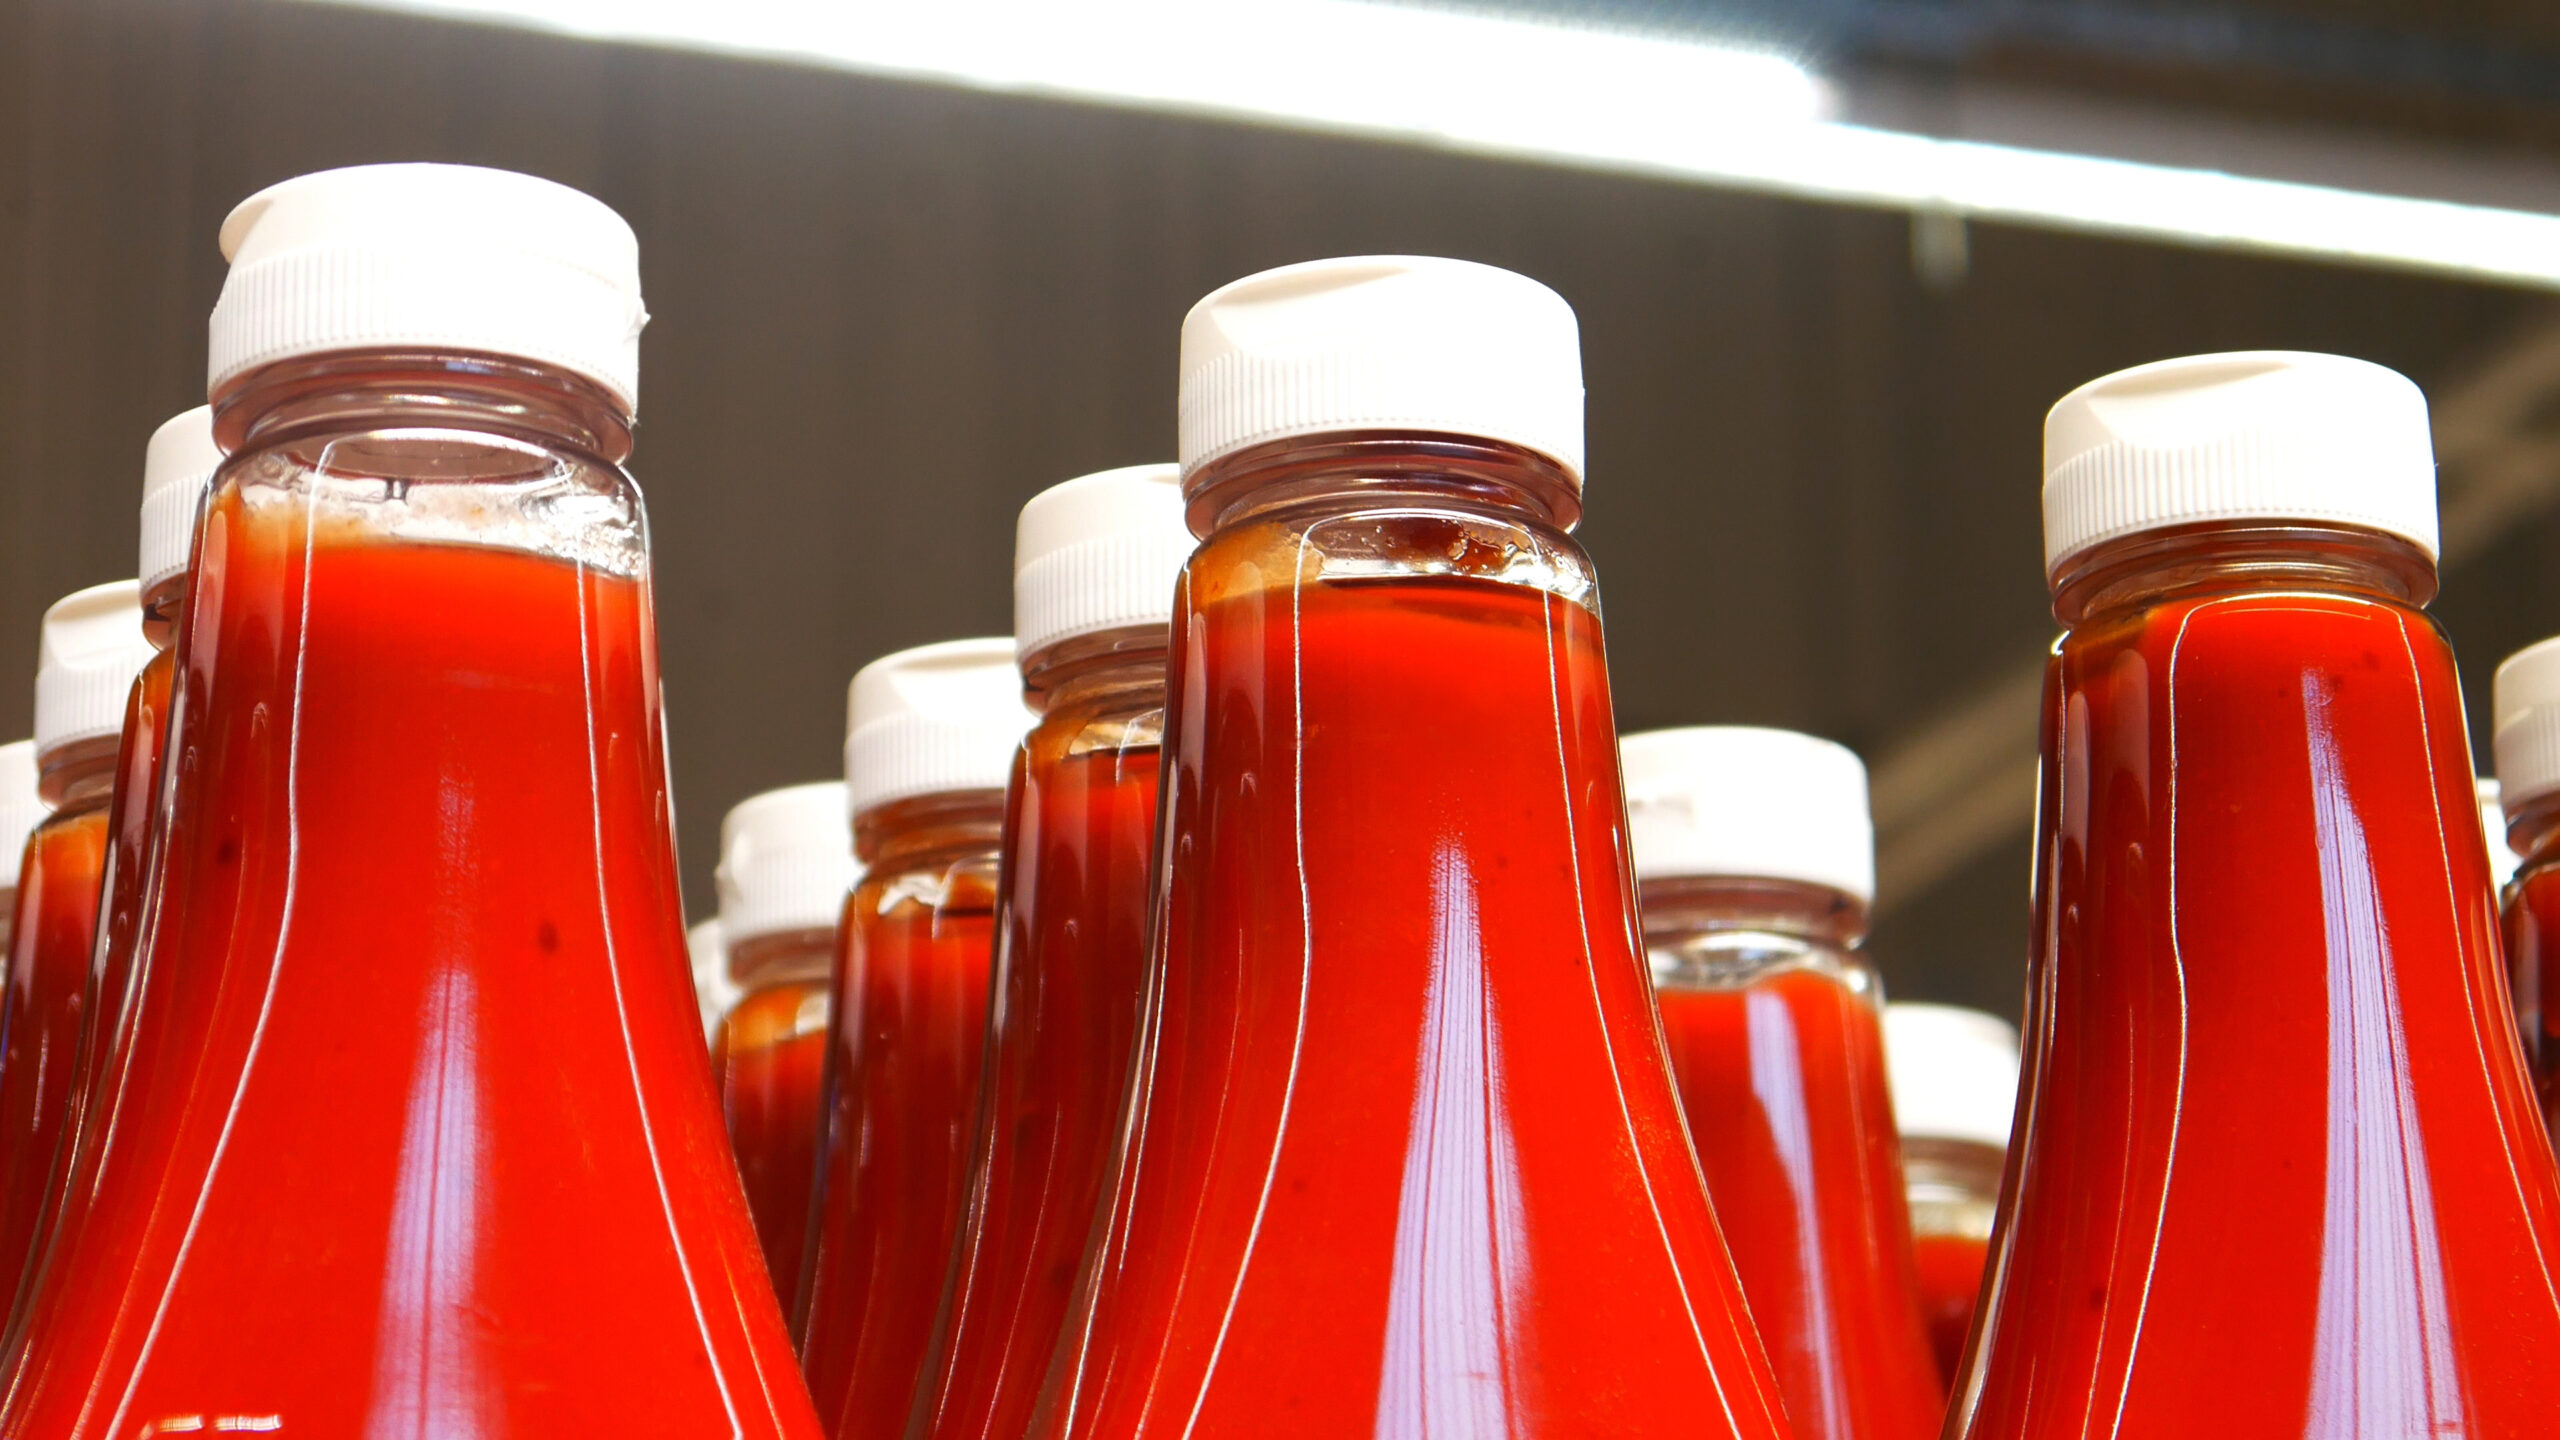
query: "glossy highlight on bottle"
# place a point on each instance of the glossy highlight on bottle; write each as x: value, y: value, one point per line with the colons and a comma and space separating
x: 1069, y: 967
x: 2280, y: 1173
x: 770, y: 1056
x: 46, y: 1007
x: 1781, y: 1075
x: 904, y: 1062
x: 1405, y: 1157
x: 123, y: 890
x: 415, y: 1134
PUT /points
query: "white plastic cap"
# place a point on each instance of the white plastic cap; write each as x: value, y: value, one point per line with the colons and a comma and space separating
x: 1954, y: 1072
x: 1098, y: 553
x: 22, y: 809
x: 713, y: 990
x: 786, y: 861
x: 2503, y: 862
x: 175, y: 471
x: 2253, y: 435
x: 91, y: 648
x: 1382, y: 342
x: 2524, y: 720
x: 445, y: 257
x: 1714, y: 800
x: 932, y: 720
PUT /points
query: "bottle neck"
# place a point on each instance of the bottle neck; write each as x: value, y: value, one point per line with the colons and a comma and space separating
x: 1112, y: 673
x: 1314, y: 475
x: 79, y: 776
x: 1716, y: 932
x: 2220, y: 557
x: 313, y: 397
x: 1953, y: 1185
x: 2534, y: 831
x: 782, y: 957
x: 929, y: 831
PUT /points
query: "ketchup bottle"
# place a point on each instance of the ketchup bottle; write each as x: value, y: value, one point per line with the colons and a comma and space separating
x: 417, y: 1135
x: 930, y: 736
x: 1094, y: 565
x: 786, y: 864
x: 2279, y: 1171
x: 92, y: 648
x: 22, y: 809
x: 1404, y: 1157
x: 2526, y: 703
x: 1757, y: 863
x: 1955, y: 1082
x: 178, y: 465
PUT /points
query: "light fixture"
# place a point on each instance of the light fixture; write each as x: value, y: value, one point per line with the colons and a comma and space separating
x: 1523, y: 89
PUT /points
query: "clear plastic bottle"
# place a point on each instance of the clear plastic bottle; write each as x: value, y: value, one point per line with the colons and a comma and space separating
x: 1955, y: 1084
x: 1404, y: 1156
x: 416, y: 1135
x: 2278, y: 1167
x: 930, y: 738
x: 1757, y: 863
x: 22, y: 809
x: 91, y: 651
x: 2526, y: 706
x: 178, y: 465
x: 786, y: 866
x: 1095, y: 561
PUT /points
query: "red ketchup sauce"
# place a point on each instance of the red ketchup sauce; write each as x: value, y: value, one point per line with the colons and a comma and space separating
x: 1405, y: 1155
x: 122, y: 894
x: 1069, y: 966
x: 49, y: 942
x: 1950, y: 1279
x: 415, y: 1132
x: 1782, y: 1079
x: 2281, y: 1172
x: 909, y: 1032
x: 770, y: 1054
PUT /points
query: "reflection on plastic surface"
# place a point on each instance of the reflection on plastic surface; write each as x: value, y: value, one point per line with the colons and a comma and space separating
x: 2280, y: 1169
x: 414, y: 1134
x: 1405, y: 1153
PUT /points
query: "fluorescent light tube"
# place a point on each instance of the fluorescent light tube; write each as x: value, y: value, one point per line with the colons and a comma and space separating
x: 1521, y: 89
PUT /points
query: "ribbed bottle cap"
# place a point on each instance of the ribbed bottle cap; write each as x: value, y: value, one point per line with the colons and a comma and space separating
x: 21, y: 808
x: 2503, y: 862
x: 1954, y: 1072
x: 175, y: 471
x: 931, y: 721
x: 1098, y: 553
x: 2277, y: 435
x: 1736, y: 800
x: 713, y: 990
x: 91, y: 648
x: 786, y: 861
x: 2524, y: 720
x: 441, y: 257
x: 1382, y: 342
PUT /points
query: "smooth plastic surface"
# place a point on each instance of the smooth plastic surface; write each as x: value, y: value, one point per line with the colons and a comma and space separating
x: 123, y: 892
x: 1070, y: 958
x: 2280, y: 1171
x: 417, y: 1135
x: 770, y: 1055
x: 903, y: 1067
x: 47, y: 1005
x: 1406, y: 1158
x: 1781, y: 1074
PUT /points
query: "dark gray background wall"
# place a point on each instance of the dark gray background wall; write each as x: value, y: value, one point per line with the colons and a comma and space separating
x: 886, y: 314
